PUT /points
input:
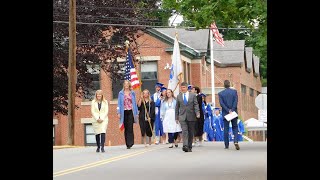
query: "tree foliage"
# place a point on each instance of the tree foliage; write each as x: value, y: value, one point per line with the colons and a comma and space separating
x: 229, y: 14
x: 97, y: 43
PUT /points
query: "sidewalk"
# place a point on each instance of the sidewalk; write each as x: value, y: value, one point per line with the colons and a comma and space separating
x: 66, y: 146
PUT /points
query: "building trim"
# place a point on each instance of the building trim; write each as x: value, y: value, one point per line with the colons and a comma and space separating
x: 86, y: 103
x: 186, y: 59
x: 113, y: 102
x: 148, y: 58
x: 86, y: 120
x: 196, y: 61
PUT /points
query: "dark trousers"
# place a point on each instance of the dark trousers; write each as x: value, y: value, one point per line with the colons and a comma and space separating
x: 103, y: 140
x: 187, y: 132
x: 128, y: 128
x: 226, y: 131
x: 172, y: 137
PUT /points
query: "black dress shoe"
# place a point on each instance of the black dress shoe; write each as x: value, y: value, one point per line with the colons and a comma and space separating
x: 128, y: 147
x: 237, y: 146
x: 102, y: 150
x: 189, y: 150
x: 185, y: 149
x: 176, y: 145
x: 171, y: 146
x: 98, y: 150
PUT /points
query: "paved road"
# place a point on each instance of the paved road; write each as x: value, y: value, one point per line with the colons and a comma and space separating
x: 210, y: 161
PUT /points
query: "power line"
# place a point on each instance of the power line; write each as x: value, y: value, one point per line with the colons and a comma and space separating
x: 97, y: 44
x: 83, y: 16
x: 106, y: 7
x: 141, y: 25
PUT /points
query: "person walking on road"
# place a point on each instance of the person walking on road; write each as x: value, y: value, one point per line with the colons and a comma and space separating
x: 127, y: 111
x: 187, y: 111
x: 228, y: 99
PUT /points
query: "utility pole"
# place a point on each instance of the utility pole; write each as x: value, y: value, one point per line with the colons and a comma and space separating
x: 72, y: 70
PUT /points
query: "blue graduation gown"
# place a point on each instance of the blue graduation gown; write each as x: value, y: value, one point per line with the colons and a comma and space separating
x: 240, y: 131
x: 208, y: 127
x: 218, y: 127
x: 158, y: 127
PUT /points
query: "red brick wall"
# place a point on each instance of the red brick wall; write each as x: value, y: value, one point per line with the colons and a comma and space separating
x: 250, y: 81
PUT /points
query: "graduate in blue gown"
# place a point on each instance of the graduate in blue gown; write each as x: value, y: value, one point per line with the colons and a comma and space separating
x: 204, y: 106
x: 156, y: 98
x: 240, y: 131
x: 218, y: 125
x: 208, y: 126
x: 190, y: 87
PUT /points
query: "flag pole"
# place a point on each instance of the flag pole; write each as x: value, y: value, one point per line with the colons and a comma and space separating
x: 145, y: 108
x: 212, y: 69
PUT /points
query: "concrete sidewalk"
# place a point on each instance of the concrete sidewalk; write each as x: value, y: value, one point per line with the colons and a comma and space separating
x: 67, y: 146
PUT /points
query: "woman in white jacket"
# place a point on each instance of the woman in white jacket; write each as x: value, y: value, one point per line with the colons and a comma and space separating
x: 99, y: 111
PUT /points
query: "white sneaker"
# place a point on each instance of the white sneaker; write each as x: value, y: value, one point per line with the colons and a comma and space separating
x: 197, y: 143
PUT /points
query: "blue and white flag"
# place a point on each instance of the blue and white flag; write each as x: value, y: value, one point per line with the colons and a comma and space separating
x: 176, y: 69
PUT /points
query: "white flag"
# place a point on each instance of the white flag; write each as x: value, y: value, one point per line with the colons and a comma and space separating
x: 175, y: 70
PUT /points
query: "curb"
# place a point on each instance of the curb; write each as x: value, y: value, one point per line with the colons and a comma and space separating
x: 66, y: 146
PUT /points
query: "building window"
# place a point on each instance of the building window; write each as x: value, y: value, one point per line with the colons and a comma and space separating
x: 89, y: 136
x: 218, y: 89
x: 188, y: 72
x: 203, y: 65
x: 94, y: 75
x: 117, y: 84
x: 149, y: 76
x: 251, y: 92
x: 243, y: 89
x: 244, y: 98
x: 54, y: 143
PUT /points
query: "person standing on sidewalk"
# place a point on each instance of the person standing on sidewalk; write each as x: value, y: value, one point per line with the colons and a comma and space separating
x: 228, y: 99
x: 99, y: 111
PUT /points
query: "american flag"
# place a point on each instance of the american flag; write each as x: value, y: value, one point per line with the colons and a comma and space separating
x: 217, y: 36
x: 130, y: 73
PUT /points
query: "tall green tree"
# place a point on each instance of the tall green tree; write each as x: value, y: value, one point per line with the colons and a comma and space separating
x: 229, y: 14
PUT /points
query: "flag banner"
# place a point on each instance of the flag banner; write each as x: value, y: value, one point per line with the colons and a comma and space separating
x: 130, y: 72
x: 217, y: 36
x: 176, y: 69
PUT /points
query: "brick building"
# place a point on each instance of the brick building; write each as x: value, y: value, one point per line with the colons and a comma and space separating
x: 234, y: 62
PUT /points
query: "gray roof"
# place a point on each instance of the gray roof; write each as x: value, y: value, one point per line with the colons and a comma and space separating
x: 248, y: 58
x: 231, y: 53
x: 197, y: 40
x: 256, y: 62
x: 234, y: 53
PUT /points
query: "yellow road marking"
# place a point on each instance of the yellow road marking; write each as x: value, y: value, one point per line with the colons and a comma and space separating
x: 98, y: 163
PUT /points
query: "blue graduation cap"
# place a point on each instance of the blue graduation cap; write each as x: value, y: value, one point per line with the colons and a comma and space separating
x: 203, y: 95
x: 158, y: 84
x: 217, y: 108
x: 163, y: 89
x: 189, y: 87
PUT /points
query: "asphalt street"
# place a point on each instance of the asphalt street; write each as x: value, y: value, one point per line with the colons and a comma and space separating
x: 158, y: 162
